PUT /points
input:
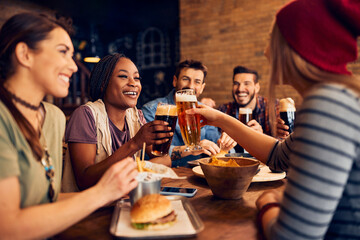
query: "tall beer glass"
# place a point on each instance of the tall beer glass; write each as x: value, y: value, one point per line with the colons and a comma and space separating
x: 245, y: 115
x: 287, y: 112
x: 167, y: 113
x: 189, y: 123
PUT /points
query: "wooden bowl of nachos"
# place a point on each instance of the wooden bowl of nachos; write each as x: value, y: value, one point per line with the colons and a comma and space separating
x: 229, y: 177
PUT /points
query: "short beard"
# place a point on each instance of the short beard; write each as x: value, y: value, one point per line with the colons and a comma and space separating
x: 244, y: 105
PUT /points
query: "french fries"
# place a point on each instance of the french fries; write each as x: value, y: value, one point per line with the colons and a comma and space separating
x: 148, y: 170
x: 139, y: 164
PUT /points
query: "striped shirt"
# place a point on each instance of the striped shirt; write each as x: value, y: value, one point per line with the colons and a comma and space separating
x: 322, y: 196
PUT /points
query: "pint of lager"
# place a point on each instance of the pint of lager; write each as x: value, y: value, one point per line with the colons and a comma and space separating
x: 167, y: 113
x: 189, y: 123
x: 245, y: 115
x: 287, y: 112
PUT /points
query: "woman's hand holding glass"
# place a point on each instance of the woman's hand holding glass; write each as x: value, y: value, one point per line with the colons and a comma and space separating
x: 282, y: 130
x: 209, y: 115
x: 155, y: 132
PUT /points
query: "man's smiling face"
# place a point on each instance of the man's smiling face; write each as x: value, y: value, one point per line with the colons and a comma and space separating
x: 245, y: 89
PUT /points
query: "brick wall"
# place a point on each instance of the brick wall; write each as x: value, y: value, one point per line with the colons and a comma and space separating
x: 226, y: 33
x: 220, y: 33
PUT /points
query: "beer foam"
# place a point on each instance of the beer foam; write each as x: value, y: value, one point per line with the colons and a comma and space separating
x: 286, y: 104
x: 164, y: 110
x: 245, y: 111
x: 185, y: 98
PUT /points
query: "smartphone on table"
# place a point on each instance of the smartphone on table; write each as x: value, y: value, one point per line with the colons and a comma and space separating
x: 187, y: 192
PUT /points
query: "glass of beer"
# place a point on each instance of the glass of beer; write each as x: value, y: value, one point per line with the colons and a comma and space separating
x: 245, y: 115
x: 167, y: 113
x: 189, y: 123
x: 287, y: 112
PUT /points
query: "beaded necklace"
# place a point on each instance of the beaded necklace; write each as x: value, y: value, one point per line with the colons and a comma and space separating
x: 46, y: 160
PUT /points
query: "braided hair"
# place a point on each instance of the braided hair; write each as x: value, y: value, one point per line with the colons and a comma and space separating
x: 101, y: 74
x: 30, y: 28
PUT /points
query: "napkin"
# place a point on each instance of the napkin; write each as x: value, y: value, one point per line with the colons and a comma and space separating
x: 160, y: 171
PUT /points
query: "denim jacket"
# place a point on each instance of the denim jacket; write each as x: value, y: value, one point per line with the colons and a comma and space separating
x: 207, y: 132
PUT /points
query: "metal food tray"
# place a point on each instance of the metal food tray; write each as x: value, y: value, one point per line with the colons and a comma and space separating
x: 192, y: 214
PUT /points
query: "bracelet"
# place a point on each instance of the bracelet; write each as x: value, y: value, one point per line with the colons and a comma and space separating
x: 260, y: 215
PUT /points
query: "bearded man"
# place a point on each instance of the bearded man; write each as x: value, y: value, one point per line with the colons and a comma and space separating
x: 245, y: 91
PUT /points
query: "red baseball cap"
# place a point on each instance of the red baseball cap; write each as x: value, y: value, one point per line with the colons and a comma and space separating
x: 323, y: 32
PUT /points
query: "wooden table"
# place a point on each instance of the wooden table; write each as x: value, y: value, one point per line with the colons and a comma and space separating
x: 223, y: 219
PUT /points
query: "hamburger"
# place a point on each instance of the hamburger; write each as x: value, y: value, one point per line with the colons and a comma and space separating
x: 152, y: 212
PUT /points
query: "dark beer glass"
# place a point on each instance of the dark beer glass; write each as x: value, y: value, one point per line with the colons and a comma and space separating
x: 289, y: 119
x: 245, y: 115
x: 167, y: 113
x: 189, y: 123
x: 287, y: 112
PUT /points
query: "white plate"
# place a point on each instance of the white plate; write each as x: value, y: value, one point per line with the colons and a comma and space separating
x: 264, y: 175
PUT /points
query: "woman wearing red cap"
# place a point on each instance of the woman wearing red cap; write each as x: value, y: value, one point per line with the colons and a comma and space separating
x: 311, y: 43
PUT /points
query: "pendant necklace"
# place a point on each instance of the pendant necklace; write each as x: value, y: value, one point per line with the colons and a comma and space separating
x: 46, y: 162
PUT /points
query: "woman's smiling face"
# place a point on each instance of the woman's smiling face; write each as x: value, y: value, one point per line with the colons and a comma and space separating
x: 52, y: 64
x: 124, y: 85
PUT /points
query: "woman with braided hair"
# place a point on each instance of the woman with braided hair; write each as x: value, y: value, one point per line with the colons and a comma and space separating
x: 110, y: 127
x: 36, y: 59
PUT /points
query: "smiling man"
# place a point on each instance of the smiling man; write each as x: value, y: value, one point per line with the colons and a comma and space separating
x: 189, y: 74
x: 245, y: 92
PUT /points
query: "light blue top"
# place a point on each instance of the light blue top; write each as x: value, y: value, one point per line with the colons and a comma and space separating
x: 207, y: 132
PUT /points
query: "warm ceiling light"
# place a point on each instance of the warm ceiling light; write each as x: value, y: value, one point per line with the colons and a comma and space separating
x: 92, y: 59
